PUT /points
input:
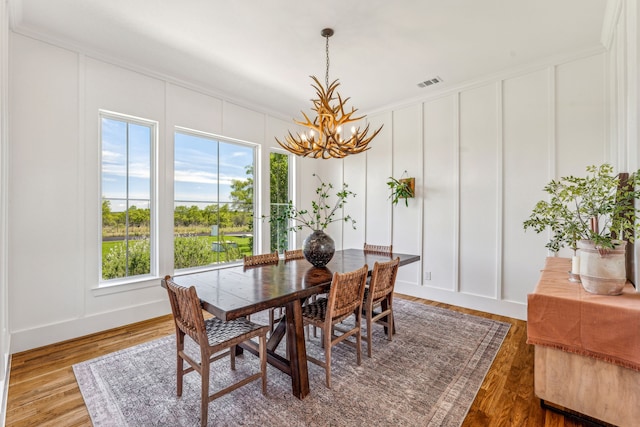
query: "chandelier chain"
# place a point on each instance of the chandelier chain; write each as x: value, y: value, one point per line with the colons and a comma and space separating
x: 326, y: 74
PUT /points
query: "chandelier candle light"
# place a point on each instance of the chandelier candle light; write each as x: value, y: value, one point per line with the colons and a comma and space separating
x: 325, y: 138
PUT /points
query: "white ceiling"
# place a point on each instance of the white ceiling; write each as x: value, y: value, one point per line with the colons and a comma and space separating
x: 263, y: 52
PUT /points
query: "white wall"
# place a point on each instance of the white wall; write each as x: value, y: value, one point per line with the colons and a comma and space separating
x: 481, y: 155
x: 620, y: 36
x: 4, y: 198
x: 54, y: 186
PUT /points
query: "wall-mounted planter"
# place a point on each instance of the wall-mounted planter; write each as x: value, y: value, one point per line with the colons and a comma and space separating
x: 403, y: 188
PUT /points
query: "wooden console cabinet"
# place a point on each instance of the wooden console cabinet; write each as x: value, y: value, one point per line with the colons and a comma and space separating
x: 587, y: 347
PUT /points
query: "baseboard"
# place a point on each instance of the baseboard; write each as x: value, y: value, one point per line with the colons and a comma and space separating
x: 475, y: 302
x: 74, y: 328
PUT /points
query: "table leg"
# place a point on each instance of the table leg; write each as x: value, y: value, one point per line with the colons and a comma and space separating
x: 297, y: 350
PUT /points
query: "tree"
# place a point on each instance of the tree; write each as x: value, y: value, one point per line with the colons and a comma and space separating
x: 279, y: 178
x: 106, y: 213
x: 242, y: 192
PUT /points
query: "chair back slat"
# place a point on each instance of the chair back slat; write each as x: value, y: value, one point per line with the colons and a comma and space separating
x: 262, y: 259
x: 378, y: 249
x: 346, y: 293
x: 187, y: 312
x: 383, y: 280
x: 293, y: 254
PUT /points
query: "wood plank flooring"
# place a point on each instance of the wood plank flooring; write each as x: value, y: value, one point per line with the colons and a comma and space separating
x: 43, y: 389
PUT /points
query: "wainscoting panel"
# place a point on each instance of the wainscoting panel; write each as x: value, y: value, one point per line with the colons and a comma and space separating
x: 407, y: 156
x: 528, y: 140
x: 379, y: 168
x: 440, y: 193
x: 581, y: 115
x: 479, y: 173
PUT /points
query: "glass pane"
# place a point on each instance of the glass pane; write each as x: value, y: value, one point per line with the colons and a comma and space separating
x: 195, y: 169
x: 213, y: 207
x: 279, y: 197
x: 114, y: 160
x: 139, y: 160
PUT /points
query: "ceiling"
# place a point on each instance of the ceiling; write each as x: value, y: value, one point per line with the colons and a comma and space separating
x: 261, y: 53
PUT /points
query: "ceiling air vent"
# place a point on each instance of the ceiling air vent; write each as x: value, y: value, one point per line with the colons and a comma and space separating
x: 430, y: 82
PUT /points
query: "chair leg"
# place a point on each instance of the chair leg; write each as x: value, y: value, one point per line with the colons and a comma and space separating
x: 369, y: 334
x: 204, y: 403
x: 179, y: 362
x: 263, y: 362
x: 232, y: 358
x: 327, y: 355
x: 359, y: 341
x: 179, y: 375
x: 391, y: 325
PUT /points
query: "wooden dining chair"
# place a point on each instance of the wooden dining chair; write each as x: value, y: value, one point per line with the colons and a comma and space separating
x: 293, y: 254
x: 378, y: 249
x: 345, y: 299
x: 262, y: 259
x: 265, y: 259
x: 213, y: 336
x: 380, y: 294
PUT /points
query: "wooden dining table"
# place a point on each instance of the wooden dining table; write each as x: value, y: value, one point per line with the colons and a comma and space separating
x: 233, y: 292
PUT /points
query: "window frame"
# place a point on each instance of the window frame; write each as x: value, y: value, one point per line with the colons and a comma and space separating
x: 291, y: 234
x: 153, y: 199
x: 257, y: 208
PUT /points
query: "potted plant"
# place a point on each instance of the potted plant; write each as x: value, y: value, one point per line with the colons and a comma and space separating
x: 403, y: 188
x: 596, y: 214
x: 318, y: 248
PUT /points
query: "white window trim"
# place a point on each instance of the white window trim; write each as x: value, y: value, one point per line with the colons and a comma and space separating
x: 153, y: 202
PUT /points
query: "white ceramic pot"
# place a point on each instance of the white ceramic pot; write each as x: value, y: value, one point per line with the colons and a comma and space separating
x: 603, y: 271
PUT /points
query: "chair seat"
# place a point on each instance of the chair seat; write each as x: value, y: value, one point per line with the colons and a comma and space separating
x: 316, y: 310
x: 219, y: 331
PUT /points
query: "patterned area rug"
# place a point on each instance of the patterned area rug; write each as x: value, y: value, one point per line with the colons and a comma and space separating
x: 428, y: 375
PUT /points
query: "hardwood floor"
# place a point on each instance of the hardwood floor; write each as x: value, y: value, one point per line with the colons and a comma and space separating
x: 43, y: 389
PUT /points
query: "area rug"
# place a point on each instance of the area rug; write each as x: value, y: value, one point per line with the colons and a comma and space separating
x: 428, y: 376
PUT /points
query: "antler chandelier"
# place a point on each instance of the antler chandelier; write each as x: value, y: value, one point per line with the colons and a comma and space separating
x: 325, y: 138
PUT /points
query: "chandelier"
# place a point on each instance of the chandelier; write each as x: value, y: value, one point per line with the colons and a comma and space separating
x: 326, y: 135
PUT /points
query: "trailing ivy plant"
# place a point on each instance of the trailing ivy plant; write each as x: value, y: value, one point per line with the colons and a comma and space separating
x: 595, y: 207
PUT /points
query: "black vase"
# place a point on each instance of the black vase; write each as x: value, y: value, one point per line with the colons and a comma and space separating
x: 318, y: 248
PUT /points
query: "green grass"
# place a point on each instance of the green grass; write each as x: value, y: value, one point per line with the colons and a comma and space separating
x: 215, y: 257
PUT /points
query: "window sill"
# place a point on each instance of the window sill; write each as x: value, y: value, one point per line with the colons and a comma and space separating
x: 125, y: 285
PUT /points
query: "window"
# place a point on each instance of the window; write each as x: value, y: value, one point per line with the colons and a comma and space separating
x: 279, y: 168
x: 213, y: 206
x: 127, y: 147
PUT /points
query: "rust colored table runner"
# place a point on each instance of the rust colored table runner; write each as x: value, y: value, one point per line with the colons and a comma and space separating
x: 562, y: 315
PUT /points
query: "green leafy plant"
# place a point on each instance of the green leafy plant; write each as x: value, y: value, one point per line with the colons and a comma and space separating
x: 401, y: 189
x: 123, y: 261
x: 595, y: 207
x: 322, y: 212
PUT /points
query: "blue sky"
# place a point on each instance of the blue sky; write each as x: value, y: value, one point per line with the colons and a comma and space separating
x: 204, y: 167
